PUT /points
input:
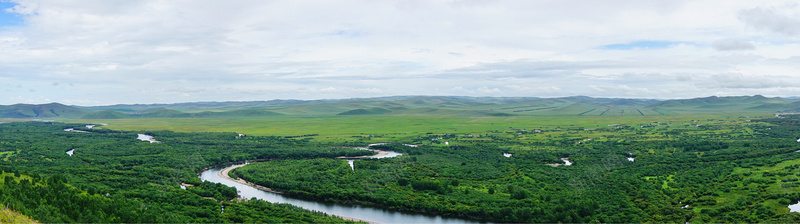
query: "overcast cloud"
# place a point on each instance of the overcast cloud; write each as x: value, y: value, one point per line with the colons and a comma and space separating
x: 108, y: 52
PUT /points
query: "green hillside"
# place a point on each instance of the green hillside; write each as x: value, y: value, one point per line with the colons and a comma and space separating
x: 415, y: 106
x: 51, y: 110
x: 371, y: 111
x: 168, y: 113
x: 9, y: 216
x: 715, y: 104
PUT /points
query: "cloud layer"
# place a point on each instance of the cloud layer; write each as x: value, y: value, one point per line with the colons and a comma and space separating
x: 108, y: 52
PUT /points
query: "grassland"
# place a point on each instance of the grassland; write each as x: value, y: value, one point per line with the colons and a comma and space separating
x: 9, y: 216
x: 400, y: 128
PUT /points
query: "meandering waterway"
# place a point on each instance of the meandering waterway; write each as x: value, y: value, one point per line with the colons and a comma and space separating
x: 370, y: 214
x: 365, y: 213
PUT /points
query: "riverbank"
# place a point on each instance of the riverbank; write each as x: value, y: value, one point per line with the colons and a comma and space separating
x: 224, y: 174
x: 379, y: 155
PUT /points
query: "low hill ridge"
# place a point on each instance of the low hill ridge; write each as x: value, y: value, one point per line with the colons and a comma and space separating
x: 414, y: 105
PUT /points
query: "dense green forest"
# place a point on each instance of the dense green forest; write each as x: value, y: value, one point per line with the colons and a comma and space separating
x: 731, y: 171
x: 113, y: 177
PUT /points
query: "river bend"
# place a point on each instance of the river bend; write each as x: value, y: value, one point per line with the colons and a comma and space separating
x: 365, y: 213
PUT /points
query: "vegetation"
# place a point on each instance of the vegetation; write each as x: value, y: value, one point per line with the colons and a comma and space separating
x: 732, y: 171
x: 632, y: 160
x: 8, y: 216
x: 413, y: 106
x: 372, y: 111
x: 113, y: 177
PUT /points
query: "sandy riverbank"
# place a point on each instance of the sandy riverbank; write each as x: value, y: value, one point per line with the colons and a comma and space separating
x: 380, y: 154
x: 224, y: 174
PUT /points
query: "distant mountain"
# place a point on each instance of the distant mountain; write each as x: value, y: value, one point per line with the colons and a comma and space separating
x: 205, y: 106
x: 372, y: 111
x: 734, y: 103
x: 50, y: 110
x: 414, y: 105
x: 167, y: 113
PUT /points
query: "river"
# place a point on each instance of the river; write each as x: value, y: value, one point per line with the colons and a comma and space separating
x: 148, y: 138
x: 365, y: 213
x: 794, y: 207
x: 370, y: 214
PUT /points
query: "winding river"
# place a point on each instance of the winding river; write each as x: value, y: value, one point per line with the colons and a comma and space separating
x: 370, y: 214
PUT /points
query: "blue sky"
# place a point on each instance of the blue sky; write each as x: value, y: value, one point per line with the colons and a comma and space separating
x: 8, y: 18
x: 88, y: 52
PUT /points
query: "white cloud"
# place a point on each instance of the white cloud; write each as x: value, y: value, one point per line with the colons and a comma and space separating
x: 733, y: 45
x: 772, y: 19
x: 174, y: 51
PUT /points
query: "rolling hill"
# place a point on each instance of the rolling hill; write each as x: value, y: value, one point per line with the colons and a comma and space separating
x: 414, y: 106
x: 50, y: 110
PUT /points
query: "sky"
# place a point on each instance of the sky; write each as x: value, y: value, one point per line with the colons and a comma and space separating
x: 105, y: 52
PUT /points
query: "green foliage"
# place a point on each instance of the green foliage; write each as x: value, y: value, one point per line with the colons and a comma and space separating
x: 113, y: 177
x: 699, y: 168
x: 724, y: 168
x: 9, y: 216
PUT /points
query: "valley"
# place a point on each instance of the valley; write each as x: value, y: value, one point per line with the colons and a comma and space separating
x: 715, y: 160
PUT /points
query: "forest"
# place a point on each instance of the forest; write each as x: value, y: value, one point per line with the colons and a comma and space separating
x: 113, y: 177
x: 730, y: 169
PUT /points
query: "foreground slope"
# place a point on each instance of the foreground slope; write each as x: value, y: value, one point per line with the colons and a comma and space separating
x: 9, y: 216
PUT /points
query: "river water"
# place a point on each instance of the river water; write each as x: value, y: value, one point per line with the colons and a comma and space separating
x: 794, y: 207
x: 365, y: 213
x: 370, y: 214
x: 148, y: 138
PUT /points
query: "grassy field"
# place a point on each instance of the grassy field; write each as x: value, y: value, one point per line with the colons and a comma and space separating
x: 8, y: 216
x: 397, y: 128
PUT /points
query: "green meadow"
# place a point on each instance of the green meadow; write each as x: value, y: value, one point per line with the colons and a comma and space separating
x: 396, y: 128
